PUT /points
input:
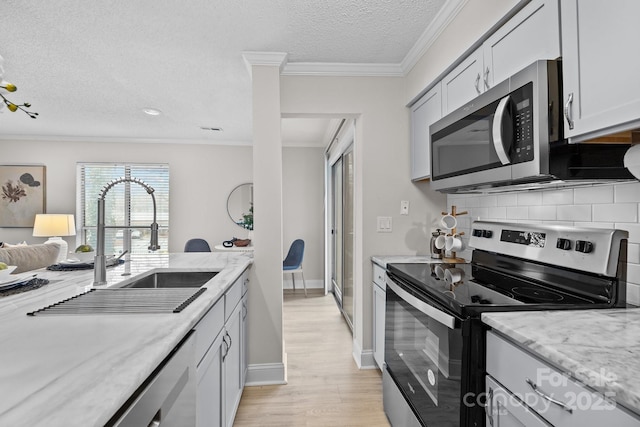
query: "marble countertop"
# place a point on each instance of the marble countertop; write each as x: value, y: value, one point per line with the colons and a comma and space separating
x: 383, y: 260
x: 600, y: 348
x: 78, y: 370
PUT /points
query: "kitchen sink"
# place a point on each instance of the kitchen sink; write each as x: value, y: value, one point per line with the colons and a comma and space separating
x: 173, y: 279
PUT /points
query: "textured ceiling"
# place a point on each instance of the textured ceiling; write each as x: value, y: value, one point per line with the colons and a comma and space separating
x: 89, y: 68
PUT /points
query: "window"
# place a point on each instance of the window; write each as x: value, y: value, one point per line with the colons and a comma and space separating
x: 126, y: 205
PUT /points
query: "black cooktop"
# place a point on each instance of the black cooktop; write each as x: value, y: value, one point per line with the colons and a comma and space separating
x: 467, y: 289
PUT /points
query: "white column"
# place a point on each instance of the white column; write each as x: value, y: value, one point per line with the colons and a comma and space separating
x: 266, y: 358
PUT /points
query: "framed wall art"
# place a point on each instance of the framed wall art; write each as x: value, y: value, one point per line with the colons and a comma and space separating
x: 22, y: 195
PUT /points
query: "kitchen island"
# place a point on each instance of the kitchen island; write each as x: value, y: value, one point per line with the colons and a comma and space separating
x: 598, y: 348
x: 78, y: 370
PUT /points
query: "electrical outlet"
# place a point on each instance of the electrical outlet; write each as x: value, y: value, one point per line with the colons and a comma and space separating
x: 404, y: 207
x: 384, y: 224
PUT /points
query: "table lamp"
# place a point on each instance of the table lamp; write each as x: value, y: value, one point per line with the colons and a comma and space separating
x: 53, y: 226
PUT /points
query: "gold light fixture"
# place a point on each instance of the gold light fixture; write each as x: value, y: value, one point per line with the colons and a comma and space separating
x: 10, y: 87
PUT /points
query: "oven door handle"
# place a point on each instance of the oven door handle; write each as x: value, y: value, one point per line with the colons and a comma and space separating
x: 429, y: 310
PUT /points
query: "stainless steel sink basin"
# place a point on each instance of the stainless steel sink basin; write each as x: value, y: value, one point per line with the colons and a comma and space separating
x: 173, y: 279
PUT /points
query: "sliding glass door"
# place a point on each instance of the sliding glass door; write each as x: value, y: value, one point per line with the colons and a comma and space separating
x: 342, y: 232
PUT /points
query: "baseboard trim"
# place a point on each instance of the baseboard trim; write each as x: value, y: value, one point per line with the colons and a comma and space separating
x: 266, y: 374
x: 287, y: 283
x: 364, y: 359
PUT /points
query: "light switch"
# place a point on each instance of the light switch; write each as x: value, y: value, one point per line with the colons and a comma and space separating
x: 384, y: 224
x: 404, y: 207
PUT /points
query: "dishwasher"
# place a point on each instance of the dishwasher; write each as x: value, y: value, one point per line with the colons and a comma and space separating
x: 167, y: 398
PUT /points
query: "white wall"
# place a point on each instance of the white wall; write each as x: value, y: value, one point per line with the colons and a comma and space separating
x: 602, y: 206
x: 201, y: 178
x: 382, y: 175
x: 303, y: 209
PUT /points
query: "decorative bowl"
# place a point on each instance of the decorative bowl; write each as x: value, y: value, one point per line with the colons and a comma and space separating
x: 82, y: 256
x: 4, y: 274
x: 242, y: 242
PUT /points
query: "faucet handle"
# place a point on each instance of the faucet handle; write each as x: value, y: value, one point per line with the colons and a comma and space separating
x: 153, y: 244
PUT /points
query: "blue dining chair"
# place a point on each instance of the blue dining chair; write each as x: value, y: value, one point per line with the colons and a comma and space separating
x: 293, y: 262
x: 197, y: 245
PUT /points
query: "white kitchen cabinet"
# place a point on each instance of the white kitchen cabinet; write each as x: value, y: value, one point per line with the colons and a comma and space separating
x: 531, y: 34
x: 221, y: 358
x: 379, y: 304
x: 568, y: 403
x: 426, y: 111
x: 243, y: 330
x: 209, y: 390
x: 505, y: 410
x: 232, y: 365
x: 463, y: 83
x: 600, y: 68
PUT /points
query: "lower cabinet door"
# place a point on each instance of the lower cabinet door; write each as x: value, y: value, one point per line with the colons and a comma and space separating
x: 505, y: 410
x: 232, y: 365
x: 209, y: 390
x: 245, y: 339
x: 379, y: 304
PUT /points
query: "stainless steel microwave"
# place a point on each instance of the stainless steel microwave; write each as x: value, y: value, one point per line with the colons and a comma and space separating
x: 513, y: 135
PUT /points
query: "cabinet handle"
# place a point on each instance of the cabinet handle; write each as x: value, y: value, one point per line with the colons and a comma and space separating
x: 244, y: 311
x: 489, y: 407
x: 486, y: 78
x: 478, y: 83
x: 230, y: 341
x: 549, y: 398
x: 567, y: 110
x: 226, y: 345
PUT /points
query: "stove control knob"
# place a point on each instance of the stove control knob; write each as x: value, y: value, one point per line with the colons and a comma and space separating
x: 564, y: 244
x: 487, y: 234
x: 584, y: 246
x: 477, y: 232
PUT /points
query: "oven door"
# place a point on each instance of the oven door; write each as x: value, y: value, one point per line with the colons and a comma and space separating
x: 423, y: 355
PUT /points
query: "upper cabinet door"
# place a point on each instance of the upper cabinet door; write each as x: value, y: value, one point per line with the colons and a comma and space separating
x: 601, y: 66
x: 426, y: 111
x: 532, y: 34
x: 463, y: 83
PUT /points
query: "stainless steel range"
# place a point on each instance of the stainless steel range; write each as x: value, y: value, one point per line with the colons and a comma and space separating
x: 434, y: 339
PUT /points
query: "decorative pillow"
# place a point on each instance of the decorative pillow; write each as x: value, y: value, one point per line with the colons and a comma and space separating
x: 30, y: 257
x: 9, y: 245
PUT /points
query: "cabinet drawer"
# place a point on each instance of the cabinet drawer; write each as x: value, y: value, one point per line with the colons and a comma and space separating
x: 504, y: 409
x: 519, y: 372
x: 232, y: 298
x: 379, y: 276
x: 208, y: 329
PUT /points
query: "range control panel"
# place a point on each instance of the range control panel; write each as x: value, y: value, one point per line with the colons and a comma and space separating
x: 588, y: 249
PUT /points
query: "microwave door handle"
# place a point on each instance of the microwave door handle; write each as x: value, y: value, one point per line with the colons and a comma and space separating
x: 498, y: 142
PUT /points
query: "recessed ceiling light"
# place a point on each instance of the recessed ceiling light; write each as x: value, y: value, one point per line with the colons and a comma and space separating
x: 152, y: 111
x: 214, y: 129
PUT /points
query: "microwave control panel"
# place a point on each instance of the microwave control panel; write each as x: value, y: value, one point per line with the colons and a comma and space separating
x: 522, y: 149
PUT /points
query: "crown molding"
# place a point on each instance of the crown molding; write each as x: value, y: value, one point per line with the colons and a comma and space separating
x: 341, y: 69
x: 273, y: 59
x: 443, y: 18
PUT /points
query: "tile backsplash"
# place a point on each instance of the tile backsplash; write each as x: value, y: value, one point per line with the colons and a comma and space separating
x: 601, y: 206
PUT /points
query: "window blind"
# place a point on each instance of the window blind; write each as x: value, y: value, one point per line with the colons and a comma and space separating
x: 128, y: 206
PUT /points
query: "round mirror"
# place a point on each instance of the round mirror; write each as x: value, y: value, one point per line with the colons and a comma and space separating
x: 240, y: 205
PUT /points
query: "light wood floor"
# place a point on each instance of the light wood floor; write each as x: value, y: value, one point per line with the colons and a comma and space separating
x: 325, y: 387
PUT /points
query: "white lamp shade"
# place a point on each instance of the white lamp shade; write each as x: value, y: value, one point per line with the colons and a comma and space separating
x: 49, y: 225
